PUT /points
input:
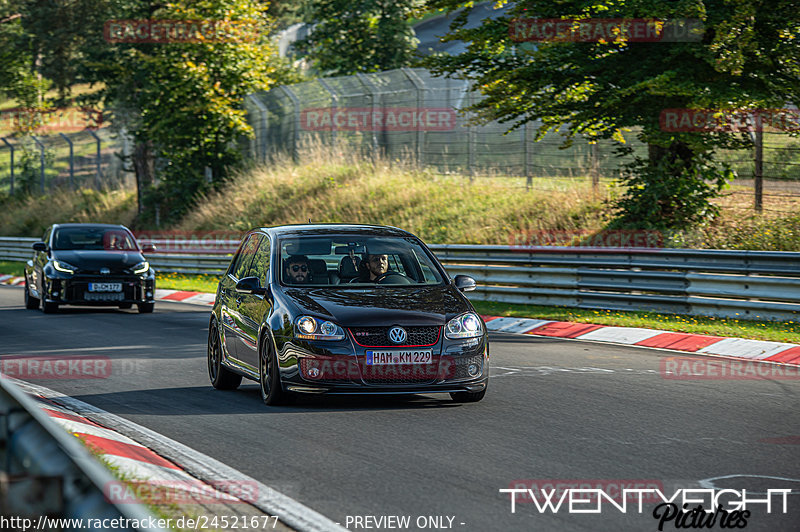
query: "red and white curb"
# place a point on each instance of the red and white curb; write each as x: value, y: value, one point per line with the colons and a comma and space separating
x: 182, y: 296
x: 693, y: 343
x: 175, y: 466
x: 11, y: 279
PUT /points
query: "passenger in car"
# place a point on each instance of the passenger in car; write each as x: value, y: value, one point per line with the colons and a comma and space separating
x: 296, y: 269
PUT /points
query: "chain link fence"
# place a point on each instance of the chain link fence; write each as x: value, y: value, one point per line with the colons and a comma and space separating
x: 408, y: 115
x: 83, y: 159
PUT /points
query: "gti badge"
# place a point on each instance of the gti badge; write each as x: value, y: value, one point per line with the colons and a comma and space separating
x: 397, y: 335
x: 105, y: 271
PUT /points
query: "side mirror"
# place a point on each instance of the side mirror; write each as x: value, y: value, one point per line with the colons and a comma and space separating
x: 250, y: 285
x: 465, y: 283
x: 40, y: 246
x: 148, y: 248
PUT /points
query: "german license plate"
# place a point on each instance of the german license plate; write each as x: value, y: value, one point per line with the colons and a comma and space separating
x: 105, y: 287
x: 382, y: 358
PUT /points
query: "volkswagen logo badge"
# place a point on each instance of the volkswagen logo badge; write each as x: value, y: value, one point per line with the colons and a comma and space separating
x: 105, y: 271
x: 397, y: 335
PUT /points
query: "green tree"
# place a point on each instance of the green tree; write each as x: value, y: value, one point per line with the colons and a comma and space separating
x: 748, y: 57
x: 351, y: 36
x: 183, y: 101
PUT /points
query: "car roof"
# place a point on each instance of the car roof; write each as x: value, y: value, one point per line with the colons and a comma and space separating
x: 73, y: 224
x: 334, y: 229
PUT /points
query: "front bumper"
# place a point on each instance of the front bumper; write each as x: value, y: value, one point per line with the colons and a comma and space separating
x: 341, y: 368
x: 75, y: 290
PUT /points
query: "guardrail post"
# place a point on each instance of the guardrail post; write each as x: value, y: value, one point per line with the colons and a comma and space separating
x: 98, y: 175
x: 10, y: 147
x: 41, y: 160
x: 71, y: 160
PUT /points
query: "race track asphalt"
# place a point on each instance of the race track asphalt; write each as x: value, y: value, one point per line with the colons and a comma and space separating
x: 556, y: 410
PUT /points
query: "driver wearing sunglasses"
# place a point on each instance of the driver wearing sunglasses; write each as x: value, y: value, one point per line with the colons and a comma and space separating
x: 296, y: 269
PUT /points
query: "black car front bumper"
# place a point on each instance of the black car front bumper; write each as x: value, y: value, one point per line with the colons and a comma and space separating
x: 75, y: 290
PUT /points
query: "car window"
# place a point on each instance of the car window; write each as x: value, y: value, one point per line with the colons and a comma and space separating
x: 260, y: 265
x: 94, y: 238
x: 343, y: 260
x: 245, y: 257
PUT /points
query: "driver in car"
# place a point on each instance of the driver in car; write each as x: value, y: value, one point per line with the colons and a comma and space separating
x: 297, y: 270
x: 377, y: 265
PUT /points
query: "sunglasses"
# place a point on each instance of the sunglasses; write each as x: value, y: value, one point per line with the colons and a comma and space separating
x: 296, y: 268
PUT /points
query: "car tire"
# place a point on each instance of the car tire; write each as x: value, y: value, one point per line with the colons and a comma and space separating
x: 126, y: 306
x: 269, y: 382
x: 467, y: 397
x: 221, y: 377
x: 145, y: 308
x: 31, y: 303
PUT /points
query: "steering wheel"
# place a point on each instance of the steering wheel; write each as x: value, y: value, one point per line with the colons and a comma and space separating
x: 393, y: 278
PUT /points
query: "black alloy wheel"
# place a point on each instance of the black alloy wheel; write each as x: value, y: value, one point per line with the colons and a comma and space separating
x: 221, y: 377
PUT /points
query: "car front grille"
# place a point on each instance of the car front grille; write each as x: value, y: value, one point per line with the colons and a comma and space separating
x: 402, y: 373
x: 420, y: 336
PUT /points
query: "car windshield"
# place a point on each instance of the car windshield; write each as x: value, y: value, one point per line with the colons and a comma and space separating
x: 352, y: 261
x: 95, y: 238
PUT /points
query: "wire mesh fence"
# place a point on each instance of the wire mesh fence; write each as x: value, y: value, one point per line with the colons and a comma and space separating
x: 408, y: 115
x: 83, y: 159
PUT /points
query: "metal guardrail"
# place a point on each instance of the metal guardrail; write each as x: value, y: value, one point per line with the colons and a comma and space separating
x: 47, y: 473
x: 737, y: 284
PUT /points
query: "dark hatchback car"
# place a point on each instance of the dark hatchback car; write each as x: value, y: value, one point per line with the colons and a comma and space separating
x: 301, y: 310
x: 89, y: 264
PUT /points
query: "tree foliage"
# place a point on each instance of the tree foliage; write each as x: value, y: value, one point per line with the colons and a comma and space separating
x: 351, y: 36
x: 749, y: 57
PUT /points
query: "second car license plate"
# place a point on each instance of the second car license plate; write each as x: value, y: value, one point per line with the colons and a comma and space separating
x: 105, y: 287
x: 420, y: 356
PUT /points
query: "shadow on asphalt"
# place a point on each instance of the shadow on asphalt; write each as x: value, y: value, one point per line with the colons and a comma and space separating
x: 204, y: 400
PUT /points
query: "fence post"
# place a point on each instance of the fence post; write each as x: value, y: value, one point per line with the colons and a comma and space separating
x: 758, y: 174
x: 526, y: 139
x: 296, y: 136
x: 470, y: 136
x: 334, y: 106
x: 373, y: 96
x: 98, y: 175
x: 594, y: 150
x: 71, y: 161
x: 420, y: 87
x: 10, y: 147
x: 41, y: 160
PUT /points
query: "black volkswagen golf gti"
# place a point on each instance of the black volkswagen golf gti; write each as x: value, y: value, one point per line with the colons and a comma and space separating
x: 89, y: 264
x: 350, y: 309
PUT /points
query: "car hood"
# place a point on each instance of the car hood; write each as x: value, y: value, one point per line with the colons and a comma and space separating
x: 94, y: 259
x: 380, y: 306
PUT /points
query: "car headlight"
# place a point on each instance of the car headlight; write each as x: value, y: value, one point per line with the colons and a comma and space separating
x: 464, y: 326
x: 141, y: 267
x: 64, y: 266
x: 309, y: 328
